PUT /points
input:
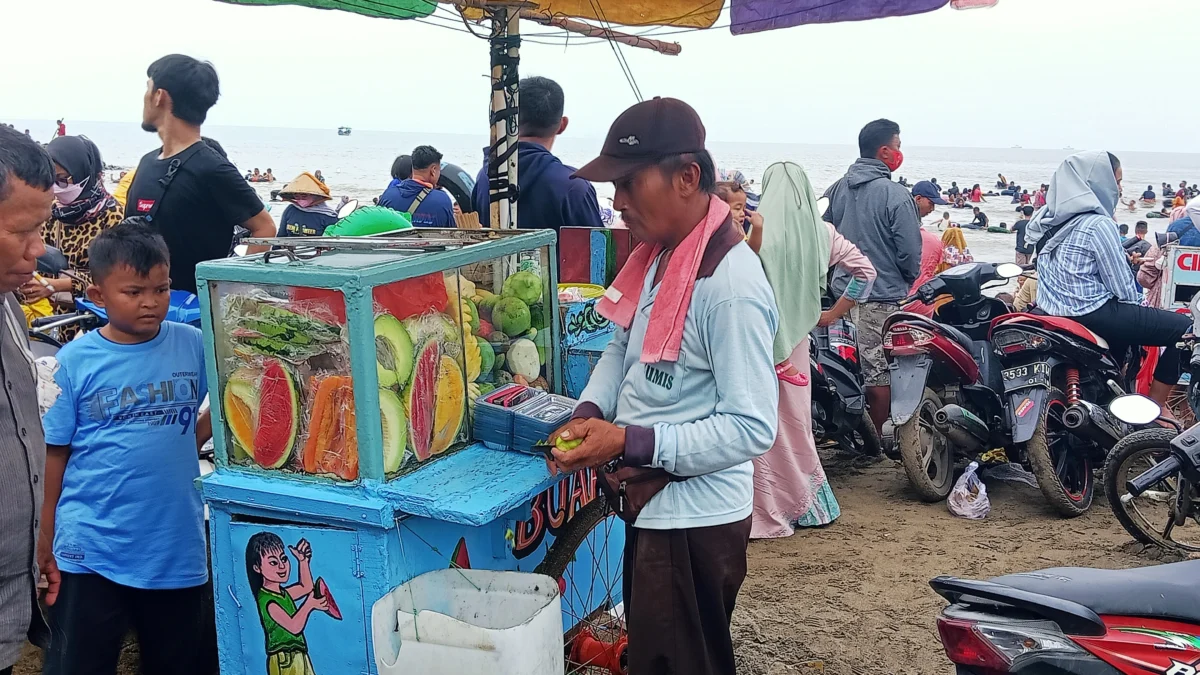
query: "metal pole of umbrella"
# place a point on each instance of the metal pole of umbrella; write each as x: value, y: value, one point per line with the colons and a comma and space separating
x: 505, y: 49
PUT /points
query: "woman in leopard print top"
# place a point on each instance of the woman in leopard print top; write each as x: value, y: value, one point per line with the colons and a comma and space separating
x: 83, y: 209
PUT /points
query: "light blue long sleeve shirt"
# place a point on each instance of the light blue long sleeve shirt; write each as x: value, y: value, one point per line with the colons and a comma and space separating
x: 712, y: 411
x: 1087, y: 269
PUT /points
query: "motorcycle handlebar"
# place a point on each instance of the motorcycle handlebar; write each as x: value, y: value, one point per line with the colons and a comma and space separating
x: 1157, y: 473
x: 56, y: 319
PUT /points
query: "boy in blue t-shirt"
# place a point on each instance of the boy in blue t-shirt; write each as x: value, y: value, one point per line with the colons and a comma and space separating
x: 122, y: 538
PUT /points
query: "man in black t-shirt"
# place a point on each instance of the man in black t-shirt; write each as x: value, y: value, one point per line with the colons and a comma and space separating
x: 1024, y: 248
x: 197, y: 208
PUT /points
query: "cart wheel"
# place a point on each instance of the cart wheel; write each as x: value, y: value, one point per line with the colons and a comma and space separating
x: 1179, y: 405
x: 590, y: 575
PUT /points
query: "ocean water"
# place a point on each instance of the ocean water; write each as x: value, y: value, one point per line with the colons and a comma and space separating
x: 358, y: 165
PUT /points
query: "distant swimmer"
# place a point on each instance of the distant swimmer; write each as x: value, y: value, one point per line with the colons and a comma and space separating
x: 1148, y: 195
x: 980, y: 222
x: 1003, y: 182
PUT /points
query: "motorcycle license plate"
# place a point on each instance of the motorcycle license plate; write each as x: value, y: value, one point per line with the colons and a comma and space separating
x: 1028, y: 375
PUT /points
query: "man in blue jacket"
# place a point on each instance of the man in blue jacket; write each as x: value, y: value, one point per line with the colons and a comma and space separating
x: 549, y: 196
x: 419, y: 196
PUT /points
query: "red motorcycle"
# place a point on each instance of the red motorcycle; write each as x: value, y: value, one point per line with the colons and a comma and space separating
x: 946, y: 388
x: 1057, y: 376
x: 1074, y: 621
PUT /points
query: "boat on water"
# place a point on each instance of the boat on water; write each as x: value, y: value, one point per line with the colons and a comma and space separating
x: 344, y: 131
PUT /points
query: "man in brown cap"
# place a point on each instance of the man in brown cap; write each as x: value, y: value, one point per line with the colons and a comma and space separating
x: 684, y: 396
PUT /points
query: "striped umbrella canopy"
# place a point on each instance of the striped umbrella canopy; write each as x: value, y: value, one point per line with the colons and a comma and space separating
x: 746, y: 16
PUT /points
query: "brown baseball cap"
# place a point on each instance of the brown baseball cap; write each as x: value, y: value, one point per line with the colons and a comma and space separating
x: 644, y: 134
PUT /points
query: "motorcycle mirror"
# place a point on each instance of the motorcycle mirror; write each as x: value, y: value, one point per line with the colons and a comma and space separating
x: 1134, y: 409
x: 52, y: 262
x: 1164, y: 238
x: 347, y: 208
x: 1009, y: 270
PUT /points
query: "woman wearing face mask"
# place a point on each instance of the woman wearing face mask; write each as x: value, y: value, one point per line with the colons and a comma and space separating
x: 82, y: 210
x: 309, y: 212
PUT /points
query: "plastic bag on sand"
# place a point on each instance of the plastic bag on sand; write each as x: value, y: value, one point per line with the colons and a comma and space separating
x: 969, y: 497
x: 1010, y: 472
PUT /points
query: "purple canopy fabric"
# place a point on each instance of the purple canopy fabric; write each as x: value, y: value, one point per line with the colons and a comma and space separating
x: 752, y: 16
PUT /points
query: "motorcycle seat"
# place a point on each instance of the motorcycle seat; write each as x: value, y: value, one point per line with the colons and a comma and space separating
x: 945, y: 329
x: 1058, y: 323
x: 1159, y: 592
x: 959, y: 336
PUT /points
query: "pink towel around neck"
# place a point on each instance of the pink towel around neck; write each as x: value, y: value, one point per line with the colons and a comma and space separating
x: 664, y: 335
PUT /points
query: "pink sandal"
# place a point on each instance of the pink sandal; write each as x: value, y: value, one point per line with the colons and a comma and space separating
x: 799, y: 379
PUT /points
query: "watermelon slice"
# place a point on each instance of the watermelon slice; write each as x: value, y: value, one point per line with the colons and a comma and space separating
x: 419, y: 400
x: 460, y: 560
x: 278, y: 416
x: 321, y: 590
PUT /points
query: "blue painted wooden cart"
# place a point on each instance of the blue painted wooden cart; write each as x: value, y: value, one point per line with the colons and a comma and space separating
x: 314, y: 495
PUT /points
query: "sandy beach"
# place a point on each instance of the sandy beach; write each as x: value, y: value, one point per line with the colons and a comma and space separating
x: 853, y: 598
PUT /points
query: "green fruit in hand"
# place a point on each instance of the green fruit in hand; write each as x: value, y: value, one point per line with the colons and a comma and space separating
x: 566, y: 445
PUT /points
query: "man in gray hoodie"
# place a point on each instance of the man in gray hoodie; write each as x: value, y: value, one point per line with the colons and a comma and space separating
x: 879, y: 217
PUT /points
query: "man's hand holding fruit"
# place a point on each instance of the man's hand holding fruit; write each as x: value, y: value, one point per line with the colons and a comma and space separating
x: 586, y: 443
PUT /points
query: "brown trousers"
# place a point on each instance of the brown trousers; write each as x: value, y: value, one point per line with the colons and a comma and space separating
x: 679, y: 588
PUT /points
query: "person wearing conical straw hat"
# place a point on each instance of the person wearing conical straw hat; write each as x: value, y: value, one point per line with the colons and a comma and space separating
x: 309, y: 212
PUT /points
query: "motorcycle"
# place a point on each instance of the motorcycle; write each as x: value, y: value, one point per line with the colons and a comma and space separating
x: 45, y: 333
x: 945, y: 379
x: 839, y: 402
x: 1074, y: 621
x: 1151, y: 476
x: 1056, y: 376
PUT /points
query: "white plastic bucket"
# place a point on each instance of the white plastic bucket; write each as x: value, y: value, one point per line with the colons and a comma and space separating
x: 452, y: 622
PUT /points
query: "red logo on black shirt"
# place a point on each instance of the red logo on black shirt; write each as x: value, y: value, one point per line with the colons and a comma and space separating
x: 144, y: 205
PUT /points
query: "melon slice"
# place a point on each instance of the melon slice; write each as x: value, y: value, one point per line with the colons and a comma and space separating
x: 332, y: 445
x: 395, y: 430
x: 393, y: 351
x: 419, y: 399
x: 450, y: 407
x: 278, y: 418
x: 239, y: 403
x: 473, y: 357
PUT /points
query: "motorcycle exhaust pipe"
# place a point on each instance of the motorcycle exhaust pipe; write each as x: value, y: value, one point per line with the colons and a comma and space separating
x: 964, y: 430
x: 1090, y: 421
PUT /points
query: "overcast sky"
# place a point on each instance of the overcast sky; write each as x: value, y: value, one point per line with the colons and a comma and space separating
x: 1038, y: 73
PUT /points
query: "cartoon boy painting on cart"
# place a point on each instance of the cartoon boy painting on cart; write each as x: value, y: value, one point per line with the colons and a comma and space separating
x: 268, y: 569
